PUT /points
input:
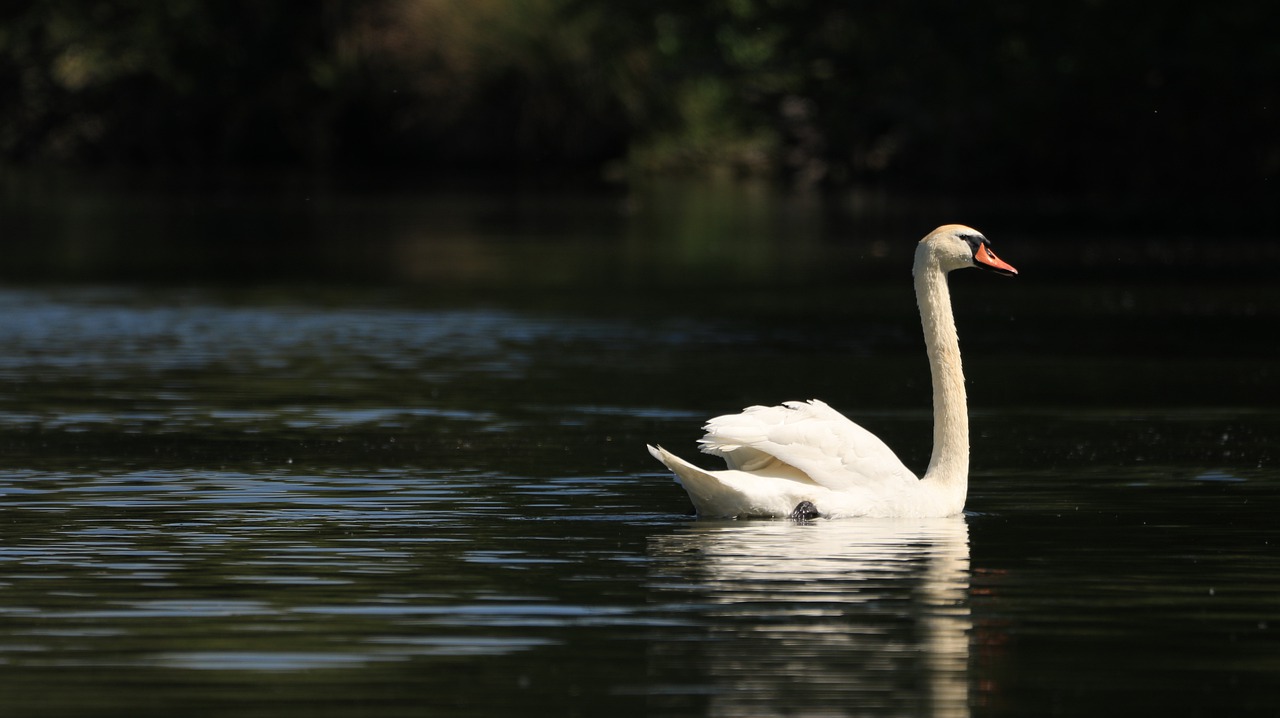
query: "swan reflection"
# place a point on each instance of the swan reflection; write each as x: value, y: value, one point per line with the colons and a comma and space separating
x: 832, y: 618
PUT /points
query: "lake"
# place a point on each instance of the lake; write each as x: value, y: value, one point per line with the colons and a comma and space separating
x: 313, y: 450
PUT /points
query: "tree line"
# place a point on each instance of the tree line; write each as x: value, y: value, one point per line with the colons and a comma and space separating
x: 1078, y: 96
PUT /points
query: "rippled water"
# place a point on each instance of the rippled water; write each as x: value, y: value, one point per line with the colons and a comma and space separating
x: 275, y: 502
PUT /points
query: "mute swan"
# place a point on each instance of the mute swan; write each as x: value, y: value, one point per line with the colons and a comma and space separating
x: 803, y: 459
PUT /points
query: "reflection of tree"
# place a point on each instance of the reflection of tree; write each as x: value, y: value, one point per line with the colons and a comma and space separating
x: 833, y: 618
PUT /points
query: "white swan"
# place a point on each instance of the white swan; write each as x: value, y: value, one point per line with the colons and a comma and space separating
x: 781, y: 457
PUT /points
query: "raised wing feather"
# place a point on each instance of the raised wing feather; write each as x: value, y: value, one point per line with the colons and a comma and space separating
x: 821, y: 442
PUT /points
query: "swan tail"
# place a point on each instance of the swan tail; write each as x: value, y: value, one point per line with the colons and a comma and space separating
x: 687, y: 475
x: 723, y: 494
x: 705, y: 490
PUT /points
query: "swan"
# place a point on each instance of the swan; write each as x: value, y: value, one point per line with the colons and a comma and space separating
x: 804, y: 459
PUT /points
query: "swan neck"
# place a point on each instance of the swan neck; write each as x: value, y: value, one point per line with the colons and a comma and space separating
x: 949, y: 462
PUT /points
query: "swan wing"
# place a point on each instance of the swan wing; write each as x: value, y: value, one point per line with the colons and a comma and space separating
x: 819, y: 441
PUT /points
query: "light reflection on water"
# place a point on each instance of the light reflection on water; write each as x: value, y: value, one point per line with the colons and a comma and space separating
x: 857, y: 616
x: 296, y: 504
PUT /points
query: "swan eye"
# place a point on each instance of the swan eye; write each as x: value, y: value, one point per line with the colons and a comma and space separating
x: 974, y: 240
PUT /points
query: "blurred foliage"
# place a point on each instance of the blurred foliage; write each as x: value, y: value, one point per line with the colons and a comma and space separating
x: 1075, y: 96
x: 183, y: 82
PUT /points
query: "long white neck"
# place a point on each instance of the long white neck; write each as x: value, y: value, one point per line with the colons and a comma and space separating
x: 949, y: 463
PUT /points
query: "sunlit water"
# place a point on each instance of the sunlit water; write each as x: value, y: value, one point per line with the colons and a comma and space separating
x: 258, y: 503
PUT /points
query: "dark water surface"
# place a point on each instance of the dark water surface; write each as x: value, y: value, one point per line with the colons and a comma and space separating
x: 405, y: 499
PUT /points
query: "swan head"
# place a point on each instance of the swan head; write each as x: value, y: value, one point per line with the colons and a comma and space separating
x: 955, y: 246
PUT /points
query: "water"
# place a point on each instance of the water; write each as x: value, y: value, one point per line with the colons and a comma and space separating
x: 394, y: 499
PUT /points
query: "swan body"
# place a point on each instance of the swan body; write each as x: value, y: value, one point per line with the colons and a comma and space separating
x: 781, y: 456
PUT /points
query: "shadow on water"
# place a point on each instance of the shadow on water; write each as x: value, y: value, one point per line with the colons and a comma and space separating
x: 316, y: 451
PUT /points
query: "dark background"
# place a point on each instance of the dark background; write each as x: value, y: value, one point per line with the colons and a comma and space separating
x: 1140, y: 108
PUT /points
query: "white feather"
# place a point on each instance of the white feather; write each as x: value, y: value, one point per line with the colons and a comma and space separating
x: 779, y: 456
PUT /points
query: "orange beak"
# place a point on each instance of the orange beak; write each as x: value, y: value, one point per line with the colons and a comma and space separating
x: 988, y: 259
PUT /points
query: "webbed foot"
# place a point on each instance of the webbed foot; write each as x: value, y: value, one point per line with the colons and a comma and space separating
x: 804, y: 511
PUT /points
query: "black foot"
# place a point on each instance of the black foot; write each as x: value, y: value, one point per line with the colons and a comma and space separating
x: 804, y: 511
